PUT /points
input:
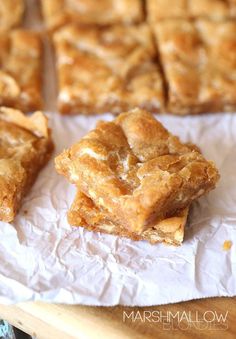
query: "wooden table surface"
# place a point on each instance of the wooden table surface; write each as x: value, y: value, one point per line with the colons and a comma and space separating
x: 51, y: 321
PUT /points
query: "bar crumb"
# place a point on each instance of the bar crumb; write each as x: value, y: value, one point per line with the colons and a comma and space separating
x: 227, y: 245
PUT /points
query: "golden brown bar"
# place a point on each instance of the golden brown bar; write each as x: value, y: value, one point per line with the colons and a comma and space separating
x: 136, y: 170
x: 21, y: 70
x: 107, y: 70
x: 199, y: 62
x: 25, y: 147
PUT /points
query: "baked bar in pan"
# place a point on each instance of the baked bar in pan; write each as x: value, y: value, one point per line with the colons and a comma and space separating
x: 137, y: 171
x: 103, y: 12
x: 199, y: 62
x: 85, y: 213
x: 187, y: 9
x: 25, y: 147
x: 107, y: 70
x: 11, y: 13
x: 20, y: 70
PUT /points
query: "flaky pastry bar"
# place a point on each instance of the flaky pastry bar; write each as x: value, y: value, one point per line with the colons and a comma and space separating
x: 85, y: 213
x: 103, y: 12
x: 11, y: 13
x: 25, y: 147
x: 107, y: 70
x: 187, y: 9
x: 20, y: 70
x: 136, y: 170
x: 199, y: 61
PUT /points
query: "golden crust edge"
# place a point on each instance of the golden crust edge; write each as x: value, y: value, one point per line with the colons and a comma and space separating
x: 37, y: 123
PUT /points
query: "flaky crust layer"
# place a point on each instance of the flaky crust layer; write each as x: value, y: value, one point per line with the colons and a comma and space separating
x: 37, y: 123
x: 103, y: 12
x: 25, y: 147
x: 11, y: 13
x: 136, y: 170
x: 199, y: 61
x: 84, y: 213
x: 21, y: 70
x: 107, y: 70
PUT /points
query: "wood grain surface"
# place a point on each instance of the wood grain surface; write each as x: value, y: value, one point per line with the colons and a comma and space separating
x: 52, y: 321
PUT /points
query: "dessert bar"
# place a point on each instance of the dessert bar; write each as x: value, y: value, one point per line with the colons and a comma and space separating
x: 199, y: 62
x: 25, y: 147
x: 107, y: 70
x: 20, y: 70
x: 137, y: 171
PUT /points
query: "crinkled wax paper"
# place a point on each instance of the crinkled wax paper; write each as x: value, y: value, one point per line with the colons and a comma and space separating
x: 44, y: 258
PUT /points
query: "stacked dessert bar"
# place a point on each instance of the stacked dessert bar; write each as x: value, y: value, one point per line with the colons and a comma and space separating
x: 135, y: 179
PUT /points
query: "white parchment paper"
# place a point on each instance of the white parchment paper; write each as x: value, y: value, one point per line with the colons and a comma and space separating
x: 43, y: 258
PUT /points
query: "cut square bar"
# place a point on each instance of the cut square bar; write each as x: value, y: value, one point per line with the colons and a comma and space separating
x: 199, y: 62
x: 137, y: 171
x: 25, y: 147
x: 21, y: 70
x: 107, y: 70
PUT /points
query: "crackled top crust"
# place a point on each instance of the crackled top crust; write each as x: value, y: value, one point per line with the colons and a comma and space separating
x: 107, y: 70
x: 20, y: 86
x: 136, y: 170
x: 199, y: 61
x: 11, y: 13
x: 184, y: 9
x: 25, y: 146
x: 103, y: 12
x: 85, y: 213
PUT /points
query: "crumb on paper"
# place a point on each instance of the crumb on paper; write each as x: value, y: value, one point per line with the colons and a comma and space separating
x: 227, y: 245
x: 25, y: 212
